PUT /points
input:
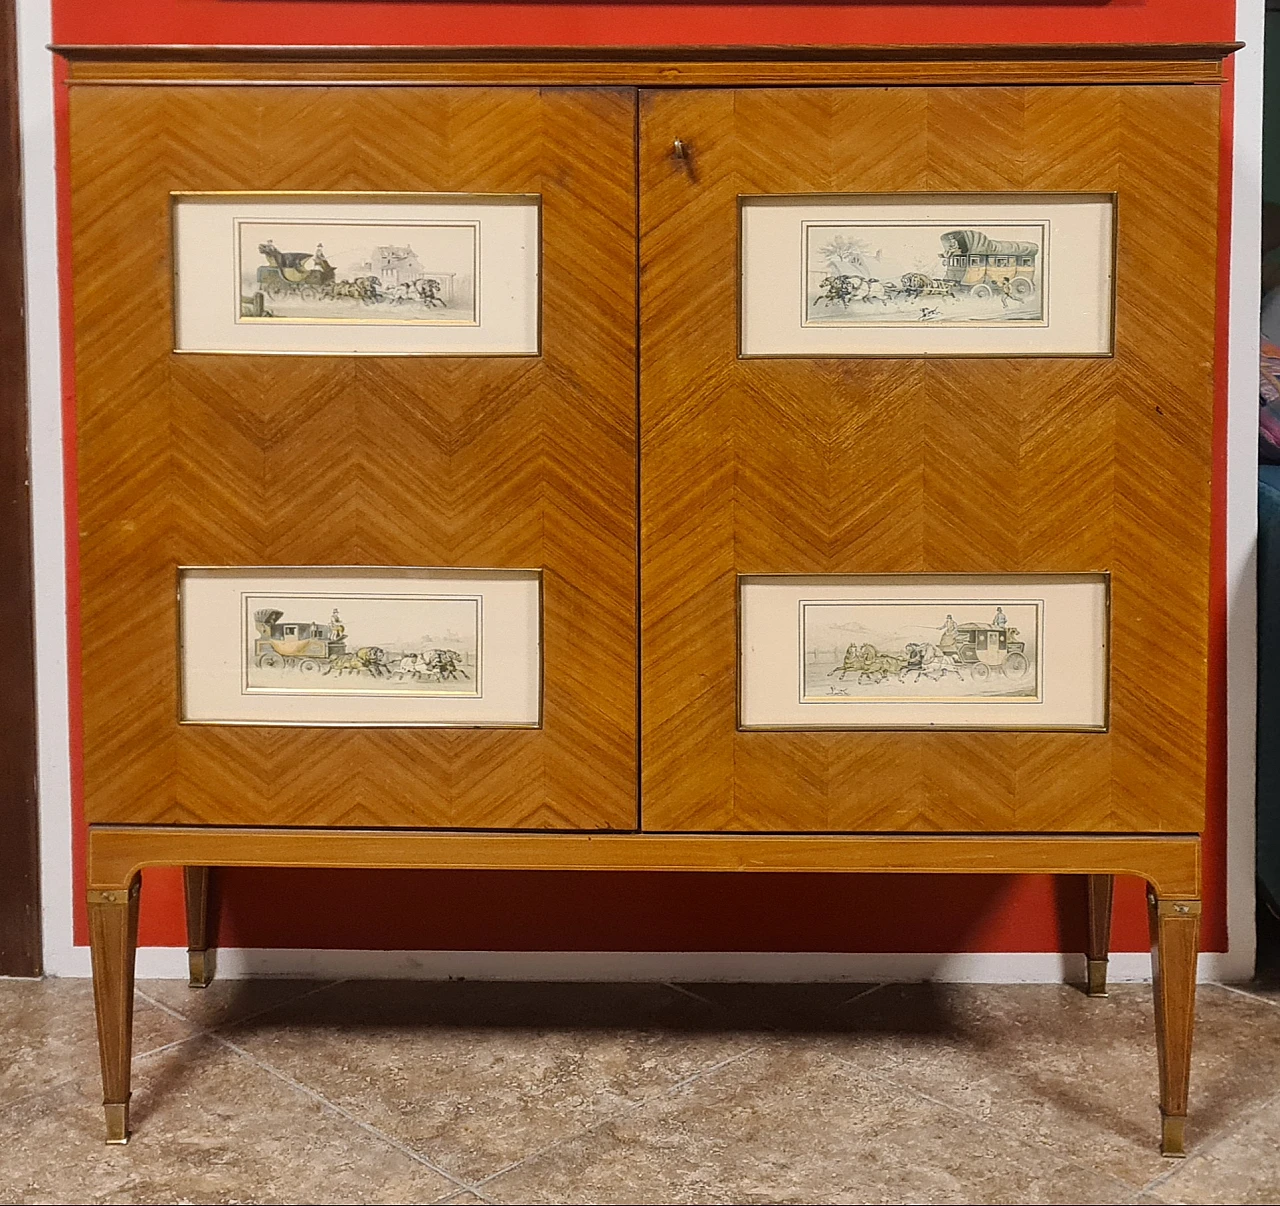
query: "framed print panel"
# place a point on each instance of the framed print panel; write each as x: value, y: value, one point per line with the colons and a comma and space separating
x: 923, y: 651
x: 361, y: 646
x: 353, y: 273
x: 927, y: 275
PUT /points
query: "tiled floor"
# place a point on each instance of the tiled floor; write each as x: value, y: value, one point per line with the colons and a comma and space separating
x: 275, y: 1091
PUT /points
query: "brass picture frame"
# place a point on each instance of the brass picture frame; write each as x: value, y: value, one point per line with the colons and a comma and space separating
x: 887, y: 668
x: 396, y: 294
x: 315, y: 664
x: 868, y: 298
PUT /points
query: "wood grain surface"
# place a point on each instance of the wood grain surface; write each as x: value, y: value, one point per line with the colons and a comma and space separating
x: 652, y: 66
x: 898, y: 466
x: 1171, y: 865
x: 309, y: 460
x: 1175, y: 947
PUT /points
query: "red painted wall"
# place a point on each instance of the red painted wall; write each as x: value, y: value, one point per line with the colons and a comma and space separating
x: 546, y: 911
x: 299, y: 21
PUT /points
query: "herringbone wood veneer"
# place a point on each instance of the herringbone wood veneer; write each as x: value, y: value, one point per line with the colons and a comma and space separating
x: 295, y: 460
x: 892, y: 466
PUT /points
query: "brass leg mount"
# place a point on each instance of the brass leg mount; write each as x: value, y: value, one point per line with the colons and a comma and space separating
x: 1097, y: 977
x: 201, y: 966
x: 1173, y: 1129
x: 117, y: 1113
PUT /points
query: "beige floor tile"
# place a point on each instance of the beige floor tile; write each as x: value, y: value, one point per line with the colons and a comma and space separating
x: 48, y: 1034
x: 478, y: 1076
x: 1076, y: 1076
x: 788, y: 1124
x: 225, y: 1002
x: 793, y: 1094
x: 1242, y: 1166
x: 1267, y: 989
x: 787, y: 1008
x: 210, y: 1126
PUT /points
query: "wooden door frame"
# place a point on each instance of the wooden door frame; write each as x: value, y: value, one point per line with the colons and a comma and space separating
x: 20, y: 946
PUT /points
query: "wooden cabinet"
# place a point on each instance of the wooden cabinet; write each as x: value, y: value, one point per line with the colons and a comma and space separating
x: 643, y: 465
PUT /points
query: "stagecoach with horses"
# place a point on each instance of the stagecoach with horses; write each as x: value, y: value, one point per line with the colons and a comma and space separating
x: 312, y: 648
x: 309, y: 277
x: 975, y: 650
x: 973, y: 264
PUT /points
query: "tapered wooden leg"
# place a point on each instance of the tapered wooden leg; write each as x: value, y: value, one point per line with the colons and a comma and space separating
x: 113, y: 941
x: 201, y: 954
x: 1101, y: 889
x: 1175, y: 945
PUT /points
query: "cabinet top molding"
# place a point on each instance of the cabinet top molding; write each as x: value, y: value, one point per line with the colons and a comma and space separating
x: 653, y: 66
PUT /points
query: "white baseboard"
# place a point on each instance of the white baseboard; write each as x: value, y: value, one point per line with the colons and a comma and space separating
x: 237, y: 963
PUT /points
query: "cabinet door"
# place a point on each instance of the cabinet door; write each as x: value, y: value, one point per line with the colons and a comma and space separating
x: 898, y: 465
x: 486, y: 461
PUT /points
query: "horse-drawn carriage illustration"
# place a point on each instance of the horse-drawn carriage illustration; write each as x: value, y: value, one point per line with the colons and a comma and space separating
x: 970, y: 650
x: 397, y: 279
x: 312, y: 648
x: 309, y: 277
x: 970, y: 264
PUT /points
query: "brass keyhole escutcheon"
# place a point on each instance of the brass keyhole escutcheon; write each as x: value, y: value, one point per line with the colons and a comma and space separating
x: 682, y: 153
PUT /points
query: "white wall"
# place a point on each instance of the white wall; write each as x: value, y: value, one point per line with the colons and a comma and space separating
x: 35, y: 87
x: 1242, y: 489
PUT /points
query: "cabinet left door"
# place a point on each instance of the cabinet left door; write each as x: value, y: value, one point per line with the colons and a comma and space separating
x: 440, y: 453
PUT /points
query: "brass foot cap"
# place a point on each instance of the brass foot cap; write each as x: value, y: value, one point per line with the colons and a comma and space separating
x: 1172, y: 1135
x: 1097, y: 977
x: 200, y: 965
x: 117, y: 1114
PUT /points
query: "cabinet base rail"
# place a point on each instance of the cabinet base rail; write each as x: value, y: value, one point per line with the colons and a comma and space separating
x: 1170, y: 865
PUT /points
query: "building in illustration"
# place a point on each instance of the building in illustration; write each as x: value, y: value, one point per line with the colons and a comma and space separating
x: 395, y: 266
x: 398, y: 268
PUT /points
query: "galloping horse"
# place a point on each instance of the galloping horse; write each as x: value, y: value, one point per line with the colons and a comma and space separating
x: 927, y: 660
x: 369, y: 659
x: 872, y: 665
x: 842, y: 289
x: 878, y: 290
x: 429, y: 293
x: 445, y: 663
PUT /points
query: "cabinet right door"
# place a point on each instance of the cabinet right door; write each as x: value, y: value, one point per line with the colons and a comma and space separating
x: 930, y: 389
